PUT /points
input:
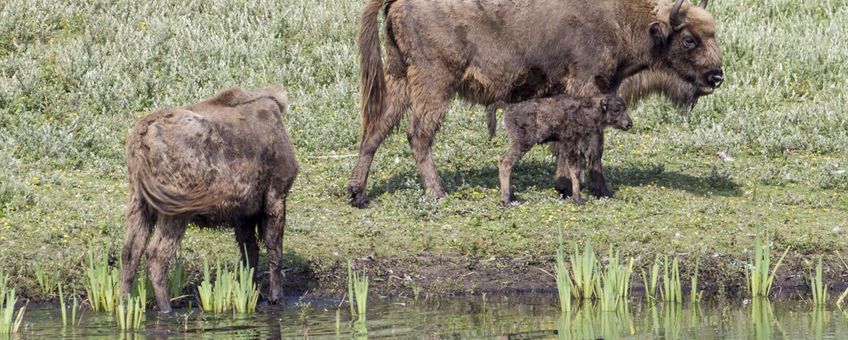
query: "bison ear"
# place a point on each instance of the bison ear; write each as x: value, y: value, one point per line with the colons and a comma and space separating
x: 659, y: 35
x: 603, y: 84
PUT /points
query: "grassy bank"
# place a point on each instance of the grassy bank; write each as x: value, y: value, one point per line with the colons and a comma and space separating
x: 74, y: 76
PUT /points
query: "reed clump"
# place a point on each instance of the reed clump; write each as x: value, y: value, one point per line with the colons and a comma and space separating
x: 562, y: 280
x: 232, y: 290
x: 672, y: 291
x: 818, y: 287
x: 10, y: 322
x: 357, y: 287
x: 103, y: 283
x: 759, y: 279
x: 130, y: 312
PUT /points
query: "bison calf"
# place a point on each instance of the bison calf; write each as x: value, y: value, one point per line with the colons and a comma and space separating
x: 227, y: 160
x: 568, y: 120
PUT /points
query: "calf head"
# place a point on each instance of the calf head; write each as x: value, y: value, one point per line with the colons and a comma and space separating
x: 684, y: 41
x: 614, y: 111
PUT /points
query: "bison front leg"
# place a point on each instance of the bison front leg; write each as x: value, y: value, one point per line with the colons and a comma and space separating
x: 139, y: 223
x: 595, y: 153
x: 162, y: 246
x: 274, y: 225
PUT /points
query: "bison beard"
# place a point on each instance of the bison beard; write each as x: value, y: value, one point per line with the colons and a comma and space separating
x: 225, y: 160
x: 494, y: 51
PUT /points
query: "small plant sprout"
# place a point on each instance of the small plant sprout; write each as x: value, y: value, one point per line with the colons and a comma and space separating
x: 758, y: 278
x: 615, y: 283
x: 694, y: 294
x: 584, y: 272
x: 102, y: 283
x: 62, y: 306
x: 130, y: 312
x: 204, y: 290
x: 818, y: 287
x: 245, y: 293
x: 358, y: 287
x: 562, y: 280
x: 232, y: 290
x: 177, y: 277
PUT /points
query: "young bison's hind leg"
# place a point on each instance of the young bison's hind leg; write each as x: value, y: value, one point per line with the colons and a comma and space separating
x: 575, y: 168
x: 508, y: 161
x: 140, y: 220
x: 163, y: 244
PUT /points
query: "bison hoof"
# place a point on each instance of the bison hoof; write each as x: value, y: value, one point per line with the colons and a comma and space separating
x: 579, y: 201
x: 602, y: 192
x: 563, y: 186
x: 357, y: 197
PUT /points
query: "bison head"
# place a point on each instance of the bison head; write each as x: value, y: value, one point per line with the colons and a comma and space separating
x: 684, y: 41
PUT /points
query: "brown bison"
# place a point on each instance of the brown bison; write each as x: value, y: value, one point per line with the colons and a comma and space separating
x: 570, y: 121
x: 489, y: 51
x: 225, y: 160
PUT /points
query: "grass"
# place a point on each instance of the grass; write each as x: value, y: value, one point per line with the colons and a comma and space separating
x: 73, y: 80
x: 758, y: 277
x: 818, y: 287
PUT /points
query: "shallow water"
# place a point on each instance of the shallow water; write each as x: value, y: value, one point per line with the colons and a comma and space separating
x: 514, y: 317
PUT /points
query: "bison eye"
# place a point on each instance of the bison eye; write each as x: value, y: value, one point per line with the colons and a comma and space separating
x: 689, y: 42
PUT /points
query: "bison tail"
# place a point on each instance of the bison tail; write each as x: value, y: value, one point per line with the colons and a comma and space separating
x: 164, y: 199
x: 371, y: 79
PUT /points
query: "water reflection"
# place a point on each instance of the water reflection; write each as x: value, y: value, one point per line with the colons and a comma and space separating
x: 514, y: 317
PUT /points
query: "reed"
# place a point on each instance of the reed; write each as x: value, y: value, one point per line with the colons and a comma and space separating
x: 614, y: 286
x: 584, y: 272
x: 62, y: 306
x: 694, y: 294
x: 651, y: 284
x: 130, y: 312
x: 232, y: 290
x: 672, y: 290
x: 818, y: 287
x: 102, y: 284
x: 10, y: 323
x: 840, y: 302
x: 46, y: 280
x: 358, y: 287
x: 758, y: 278
x: 177, y: 277
x: 562, y: 280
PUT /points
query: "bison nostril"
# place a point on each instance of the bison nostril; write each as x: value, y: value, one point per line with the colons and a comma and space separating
x: 715, y: 78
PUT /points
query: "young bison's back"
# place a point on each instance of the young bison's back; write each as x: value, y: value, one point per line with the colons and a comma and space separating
x: 216, y: 159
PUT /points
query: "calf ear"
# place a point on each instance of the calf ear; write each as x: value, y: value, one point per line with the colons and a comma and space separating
x: 659, y: 35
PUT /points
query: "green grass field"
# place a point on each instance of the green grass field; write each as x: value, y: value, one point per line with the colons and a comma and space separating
x: 75, y: 75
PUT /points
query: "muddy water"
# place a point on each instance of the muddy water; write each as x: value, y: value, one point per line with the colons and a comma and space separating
x: 515, y: 317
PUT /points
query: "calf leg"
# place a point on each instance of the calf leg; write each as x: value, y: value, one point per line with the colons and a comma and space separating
x: 139, y: 222
x: 575, y: 167
x: 562, y: 177
x: 273, y: 226
x: 510, y: 158
x: 163, y: 244
x: 594, y: 153
x: 397, y: 103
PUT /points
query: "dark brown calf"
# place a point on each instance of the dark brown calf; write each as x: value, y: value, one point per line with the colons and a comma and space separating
x: 227, y: 160
x: 571, y: 121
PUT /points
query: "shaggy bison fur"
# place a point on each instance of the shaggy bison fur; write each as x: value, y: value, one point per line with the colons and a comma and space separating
x: 227, y: 160
x: 499, y: 50
x: 571, y: 121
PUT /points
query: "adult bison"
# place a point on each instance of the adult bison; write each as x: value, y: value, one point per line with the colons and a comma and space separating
x: 224, y: 160
x: 499, y: 50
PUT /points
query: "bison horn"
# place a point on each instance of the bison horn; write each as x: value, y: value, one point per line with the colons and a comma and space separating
x: 703, y: 4
x: 674, y: 16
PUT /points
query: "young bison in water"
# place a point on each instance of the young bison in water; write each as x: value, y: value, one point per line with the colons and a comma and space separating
x: 572, y: 121
x: 225, y: 160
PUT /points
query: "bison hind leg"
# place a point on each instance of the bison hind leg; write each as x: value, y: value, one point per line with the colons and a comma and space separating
x: 248, y: 248
x: 140, y: 220
x: 163, y: 245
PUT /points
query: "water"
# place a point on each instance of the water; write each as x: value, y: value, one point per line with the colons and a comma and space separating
x: 514, y: 317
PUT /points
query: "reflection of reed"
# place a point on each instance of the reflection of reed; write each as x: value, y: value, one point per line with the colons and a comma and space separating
x: 589, y: 321
x: 818, y: 319
x: 762, y: 319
